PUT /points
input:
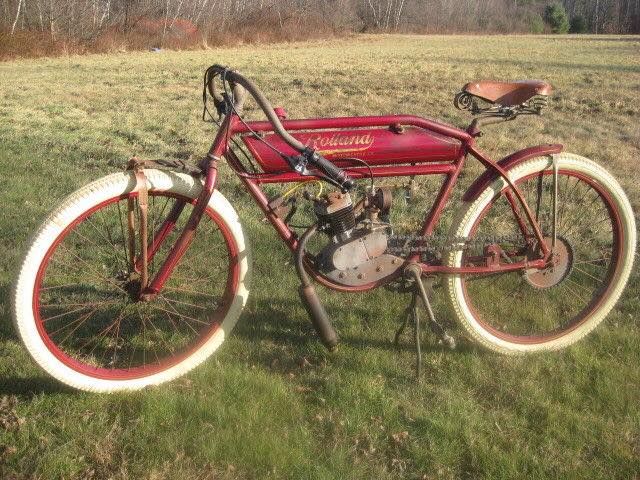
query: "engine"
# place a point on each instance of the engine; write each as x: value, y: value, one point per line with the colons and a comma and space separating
x: 336, y: 215
x: 358, y: 237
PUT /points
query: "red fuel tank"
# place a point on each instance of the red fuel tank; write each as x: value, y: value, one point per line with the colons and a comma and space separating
x: 376, y: 146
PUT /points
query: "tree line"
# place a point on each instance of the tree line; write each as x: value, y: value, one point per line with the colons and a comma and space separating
x: 175, y: 23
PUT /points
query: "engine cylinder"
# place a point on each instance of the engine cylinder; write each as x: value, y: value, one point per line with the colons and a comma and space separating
x: 341, y: 221
x: 335, y: 213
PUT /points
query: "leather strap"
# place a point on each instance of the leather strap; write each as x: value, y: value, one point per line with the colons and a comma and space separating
x: 137, y: 166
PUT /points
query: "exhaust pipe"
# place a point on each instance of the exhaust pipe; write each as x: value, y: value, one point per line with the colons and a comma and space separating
x: 311, y: 301
x: 319, y: 317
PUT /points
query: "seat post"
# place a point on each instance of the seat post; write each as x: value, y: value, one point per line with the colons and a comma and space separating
x: 474, y: 127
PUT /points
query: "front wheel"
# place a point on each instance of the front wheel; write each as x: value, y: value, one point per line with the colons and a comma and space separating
x: 76, y: 300
x: 535, y: 310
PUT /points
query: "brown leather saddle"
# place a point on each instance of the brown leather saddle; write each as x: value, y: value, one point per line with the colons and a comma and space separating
x: 507, y: 94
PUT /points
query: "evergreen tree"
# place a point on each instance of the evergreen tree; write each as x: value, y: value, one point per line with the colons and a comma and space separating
x: 556, y: 17
x: 578, y: 25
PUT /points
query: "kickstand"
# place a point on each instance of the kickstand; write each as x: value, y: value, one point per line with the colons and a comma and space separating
x: 412, y: 311
x: 408, y: 312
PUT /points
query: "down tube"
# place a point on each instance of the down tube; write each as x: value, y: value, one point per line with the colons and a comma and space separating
x: 288, y: 236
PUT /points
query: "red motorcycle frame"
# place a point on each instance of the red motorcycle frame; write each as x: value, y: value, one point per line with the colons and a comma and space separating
x: 449, y: 167
x: 587, y: 243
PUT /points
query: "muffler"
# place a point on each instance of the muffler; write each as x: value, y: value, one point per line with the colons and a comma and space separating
x: 311, y: 301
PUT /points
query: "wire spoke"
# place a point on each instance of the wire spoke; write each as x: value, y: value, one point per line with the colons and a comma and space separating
x: 144, y: 341
x: 116, y: 339
x: 180, y: 315
x: 111, y: 240
x: 576, y: 295
x: 186, y: 290
x: 64, y: 314
x: 583, y: 218
x: 59, y: 286
x: 581, y: 287
x: 85, y: 304
x: 185, y: 303
x: 591, y: 261
x: 97, y: 274
x: 81, y: 321
x: 161, y: 337
x: 106, y: 237
x: 599, y: 280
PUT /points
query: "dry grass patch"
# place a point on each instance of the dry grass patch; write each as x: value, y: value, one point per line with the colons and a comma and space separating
x: 253, y: 411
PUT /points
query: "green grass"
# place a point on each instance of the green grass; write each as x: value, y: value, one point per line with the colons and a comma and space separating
x: 272, y: 403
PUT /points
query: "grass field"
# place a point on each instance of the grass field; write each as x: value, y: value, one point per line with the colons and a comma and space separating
x: 272, y: 403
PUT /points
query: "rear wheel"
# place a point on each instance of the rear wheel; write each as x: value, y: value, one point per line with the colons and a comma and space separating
x: 550, y: 308
x: 76, y: 300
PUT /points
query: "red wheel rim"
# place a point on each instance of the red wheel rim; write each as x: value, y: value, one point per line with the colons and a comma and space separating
x: 136, y: 372
x: 595, y: 302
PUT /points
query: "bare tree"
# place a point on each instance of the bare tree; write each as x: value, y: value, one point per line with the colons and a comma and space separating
x: 13, y: 27
x: 84, y: 20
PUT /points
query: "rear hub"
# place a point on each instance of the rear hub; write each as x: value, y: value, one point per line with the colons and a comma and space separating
x: 558, y: 267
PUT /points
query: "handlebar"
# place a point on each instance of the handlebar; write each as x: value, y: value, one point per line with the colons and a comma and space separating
x: 334, y: 173
x: 240, y: 85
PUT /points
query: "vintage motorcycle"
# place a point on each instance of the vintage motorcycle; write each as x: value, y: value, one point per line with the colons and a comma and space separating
x: 138, y: 277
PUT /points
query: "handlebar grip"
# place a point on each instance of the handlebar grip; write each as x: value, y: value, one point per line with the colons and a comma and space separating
x: 333, y: 172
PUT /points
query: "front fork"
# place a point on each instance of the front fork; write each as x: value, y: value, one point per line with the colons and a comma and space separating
x: 149, y: 291
x: 149, y: 288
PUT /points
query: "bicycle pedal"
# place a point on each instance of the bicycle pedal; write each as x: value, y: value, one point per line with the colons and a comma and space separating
x: 443, y: 337
x: 448, y: 341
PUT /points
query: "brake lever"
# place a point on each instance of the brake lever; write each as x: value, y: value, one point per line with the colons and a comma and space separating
x: 298, y: 163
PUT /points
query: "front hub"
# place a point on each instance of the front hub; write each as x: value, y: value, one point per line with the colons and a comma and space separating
x: 130, y: 282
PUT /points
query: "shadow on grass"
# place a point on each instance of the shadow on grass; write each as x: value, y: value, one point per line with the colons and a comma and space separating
x: 30, y: 387
x: 6, y: 325
x: 269, y: 322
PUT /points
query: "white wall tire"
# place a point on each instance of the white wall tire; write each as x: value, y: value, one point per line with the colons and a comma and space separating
x: 82, y: 201
x: 469, y: 215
